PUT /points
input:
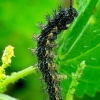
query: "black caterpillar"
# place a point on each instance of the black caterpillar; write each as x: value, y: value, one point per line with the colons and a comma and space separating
x: 45, y: 45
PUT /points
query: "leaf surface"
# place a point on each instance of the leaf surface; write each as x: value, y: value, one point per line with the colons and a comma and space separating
x: 82, y: 42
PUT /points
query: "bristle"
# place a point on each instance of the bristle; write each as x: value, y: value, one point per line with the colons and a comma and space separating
x: 54, y: 13
x: 48, y: 17
x: 60, y: 8
x: 33, y: 51
x: 61, y: 77
x: 35, y: 37
x: 40, y: 25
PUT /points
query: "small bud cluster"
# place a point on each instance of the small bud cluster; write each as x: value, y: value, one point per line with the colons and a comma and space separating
x: 6, y: 60
x: 75, y: 77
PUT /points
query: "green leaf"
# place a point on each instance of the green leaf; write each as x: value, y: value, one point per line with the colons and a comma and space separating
x: 82, y: 42
x: 6, y: 97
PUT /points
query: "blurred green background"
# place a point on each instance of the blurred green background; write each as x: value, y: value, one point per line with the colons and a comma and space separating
x: 18, y: 22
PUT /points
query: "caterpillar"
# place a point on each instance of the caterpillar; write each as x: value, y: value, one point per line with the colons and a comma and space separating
x: 46, y: 44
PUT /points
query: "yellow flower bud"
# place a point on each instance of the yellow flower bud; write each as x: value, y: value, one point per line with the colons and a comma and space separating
x: 6, y: 58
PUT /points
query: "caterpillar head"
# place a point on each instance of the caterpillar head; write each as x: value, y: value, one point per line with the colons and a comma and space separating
x: 70, y: 14
x: 73, y: 12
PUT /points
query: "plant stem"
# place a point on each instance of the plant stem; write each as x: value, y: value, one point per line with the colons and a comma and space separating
x: 17, y: 75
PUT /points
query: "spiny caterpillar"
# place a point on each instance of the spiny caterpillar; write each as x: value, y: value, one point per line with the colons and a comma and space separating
x: 45, y: 45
